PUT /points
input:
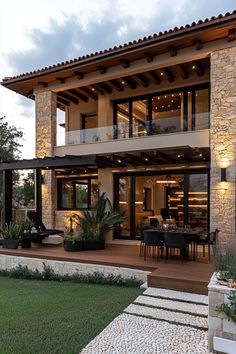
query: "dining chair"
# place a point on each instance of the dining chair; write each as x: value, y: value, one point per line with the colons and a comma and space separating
x: 155, y: 239
x: 208, y: 239
x: 175, y: 240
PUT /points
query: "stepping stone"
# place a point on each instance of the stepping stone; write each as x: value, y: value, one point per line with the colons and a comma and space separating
x: 177, y: 295
x: 134, y: 335
x: 194, y: 309
x: 169, y: 316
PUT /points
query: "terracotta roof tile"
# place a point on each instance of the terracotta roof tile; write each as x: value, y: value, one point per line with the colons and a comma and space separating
x: 125, y: 45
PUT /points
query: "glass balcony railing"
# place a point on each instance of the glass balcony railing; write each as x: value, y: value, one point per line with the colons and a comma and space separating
x: 124, y: 130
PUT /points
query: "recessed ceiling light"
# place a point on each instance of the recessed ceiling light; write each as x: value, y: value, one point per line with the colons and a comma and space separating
x: 119, y: 160
x: 93, y: 89
x: 168, y: 105
x: 163, y: 106
x: 165, y: 96
x: 200, y: 155
x: 172, y: 101
x: 155, y: 107
x: 146, y: 159
x: 173, y: 95
x: 158, y: 98
x: 162, y: 73
x: 122, y: 82
x: 193, y: 67
x: 179, y: 156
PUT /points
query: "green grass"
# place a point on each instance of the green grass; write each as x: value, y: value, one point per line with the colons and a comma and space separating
x: 45, y: 317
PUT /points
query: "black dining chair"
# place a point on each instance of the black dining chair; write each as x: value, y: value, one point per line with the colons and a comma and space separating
x: 154, y: 239
x: 207, y: 239
x: 176, y: 240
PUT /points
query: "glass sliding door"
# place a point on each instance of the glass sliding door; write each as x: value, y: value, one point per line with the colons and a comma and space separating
x: 140, y: 118
x: 124, y: 194
x: 123, y: 113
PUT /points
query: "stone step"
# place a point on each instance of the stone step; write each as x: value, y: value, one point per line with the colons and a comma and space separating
x: 168, y: 316
x: 167, y: 304
x: 177, y: 295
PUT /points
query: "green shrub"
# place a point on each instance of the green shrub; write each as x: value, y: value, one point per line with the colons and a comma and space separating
x: 229, y: 308
x: 225, y: 263
x: 23, y: 272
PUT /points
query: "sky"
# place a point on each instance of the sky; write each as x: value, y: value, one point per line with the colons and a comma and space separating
x: 35, y: 34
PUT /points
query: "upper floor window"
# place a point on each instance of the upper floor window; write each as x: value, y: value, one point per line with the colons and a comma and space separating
x: 162, y: 113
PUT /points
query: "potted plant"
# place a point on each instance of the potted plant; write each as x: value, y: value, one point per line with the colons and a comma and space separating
x: 222, y: 301
x: 95, y: 223
x: 11, y: 234
x: 73, y: 242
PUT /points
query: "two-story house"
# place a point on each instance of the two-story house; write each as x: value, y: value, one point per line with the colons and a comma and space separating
x: 151, y: 122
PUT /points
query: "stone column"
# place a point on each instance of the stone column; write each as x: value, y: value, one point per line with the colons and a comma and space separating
x: 46, y: 116
x: 223, y: 138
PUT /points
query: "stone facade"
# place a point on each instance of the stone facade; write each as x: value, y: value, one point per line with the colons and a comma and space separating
x: 46, y: 116
x: 222, y: 143
x: 218, y: 324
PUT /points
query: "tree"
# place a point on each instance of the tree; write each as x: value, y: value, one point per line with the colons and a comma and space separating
x: 9, y: 146
x: 23, y: 192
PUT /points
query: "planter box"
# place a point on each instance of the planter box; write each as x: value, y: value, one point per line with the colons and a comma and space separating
x: 219, y: 325
x: 74, y: 246
x: 10, y: 243
x: 94, y: 245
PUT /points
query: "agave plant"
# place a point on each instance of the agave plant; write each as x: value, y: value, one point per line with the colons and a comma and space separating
x: 94, y: 223
x: 12, y: 231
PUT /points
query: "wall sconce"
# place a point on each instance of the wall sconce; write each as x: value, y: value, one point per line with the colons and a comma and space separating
x: 223, y: 174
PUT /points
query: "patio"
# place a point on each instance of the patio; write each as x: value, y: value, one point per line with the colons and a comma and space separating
x: 191, y: 276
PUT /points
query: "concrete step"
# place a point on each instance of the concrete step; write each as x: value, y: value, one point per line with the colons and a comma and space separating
x: 185, y: 307
x: 177, y: 295
x: 168, y: 316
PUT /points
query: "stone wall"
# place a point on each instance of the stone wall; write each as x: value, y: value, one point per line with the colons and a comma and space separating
x: 218, y: 324
x: 62, y: 268
x: 222, y: 143
x: 46, y: 116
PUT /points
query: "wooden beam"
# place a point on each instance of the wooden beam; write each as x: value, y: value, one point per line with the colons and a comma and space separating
x: 78, y: 94
x: 125, y: 63
x: 104, y: 86
x: 155, y: 77
x: 173, y: 50
x: 117, y: 85
x: 130, y: 82
x: 142, y: 78
x: 102, y: 69
x: 198, y: 67
x: 183, y: 71
x: 198, y: 43
x: 68, y: 97
x: 79, y: 74
x: 106, y: 162
x: 133, y: 160
x: 42, y: 83
x: 61, y: 79
x: 89, y: 93
x: 97, y: 89
x: 149, y: 57
x: 169, y: 74
x: 163, y: 157
x: 118, y: 160
x: 62, y: 101
x: 149, y: 159
x: 231, y: 34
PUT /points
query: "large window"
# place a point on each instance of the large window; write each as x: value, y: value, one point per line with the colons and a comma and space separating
x: 162, y: 113
x: 77, y: 194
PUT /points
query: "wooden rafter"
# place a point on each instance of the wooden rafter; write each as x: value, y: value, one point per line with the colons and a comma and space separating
x: 42, y: 83
x: 133, y: 160
x: 62, y: 101
x: 197, y: 65
x: 231, y: 34
x: 79, y: 74
x: 102, y: 69
x: 173, y: 50
x: 161, y: 156
x: 130, y: 82
x: 97, y: 89
x: 104, y: 86
x: 169, y: 74
x: 125, y: 63
x: 155, y: 77
x: 149, y: 57
x: 198, y: 43
x: 183, y: 71
x: 68, y: 97
x: 61, y: 79
x: 89, y: 93
x: 143, y: 80
x: 117, y: 85
x: 78, y: 94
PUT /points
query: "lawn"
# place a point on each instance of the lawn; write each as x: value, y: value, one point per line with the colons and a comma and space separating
x: 42, y: 317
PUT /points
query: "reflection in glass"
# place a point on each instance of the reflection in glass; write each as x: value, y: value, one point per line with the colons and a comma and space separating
x: 124, y: 204
x: 139, y: 119
x: 202, y: 109
x: 167, y: 113
x: 123, y: 121
x: 198, y: 200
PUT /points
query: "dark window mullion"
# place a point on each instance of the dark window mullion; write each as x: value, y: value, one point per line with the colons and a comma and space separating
x: 185, y: 122
x: 132, y: 206
x: 149, y: 127
x: 193, y: 110
x: 130, y: 119
x: 186, y: 190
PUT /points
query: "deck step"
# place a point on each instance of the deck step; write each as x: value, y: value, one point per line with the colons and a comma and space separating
x: 168, y: 316
x: 184, y: 307
x: 178, y: 282
x: 177, y: 295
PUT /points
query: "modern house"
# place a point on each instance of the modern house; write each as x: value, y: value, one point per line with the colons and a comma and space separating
x: 151, y: 122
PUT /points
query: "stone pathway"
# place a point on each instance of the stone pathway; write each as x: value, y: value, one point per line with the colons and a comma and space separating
x: 158, y: 322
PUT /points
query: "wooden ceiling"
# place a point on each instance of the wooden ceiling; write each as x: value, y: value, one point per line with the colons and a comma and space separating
x: 170, y: 74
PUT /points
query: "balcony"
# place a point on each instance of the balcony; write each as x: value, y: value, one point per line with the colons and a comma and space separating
x: 140, y: 129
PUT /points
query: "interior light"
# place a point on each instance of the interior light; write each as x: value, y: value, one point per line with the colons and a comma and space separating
x: 162, y: 73
x: 146, y: 159
x: 122, y: 82
x: 165, y: 96
x: 93, y: 89
x: 167, y: 181
x: 158, y: 98
x: 193, y: 67
x: 119, y: 161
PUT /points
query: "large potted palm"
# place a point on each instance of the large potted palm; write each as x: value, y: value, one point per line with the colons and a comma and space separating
x: 95, y: 223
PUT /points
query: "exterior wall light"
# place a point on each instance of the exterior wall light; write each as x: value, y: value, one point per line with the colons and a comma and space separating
x: 223, y: 174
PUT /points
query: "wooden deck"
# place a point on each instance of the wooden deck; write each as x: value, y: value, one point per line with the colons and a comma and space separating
x: 191, y: 276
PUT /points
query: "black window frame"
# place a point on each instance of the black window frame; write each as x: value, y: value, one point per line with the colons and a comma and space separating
x: 71, y: 179
x: 149, y: 97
